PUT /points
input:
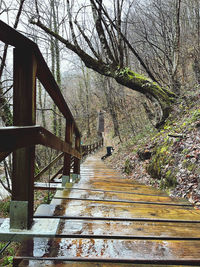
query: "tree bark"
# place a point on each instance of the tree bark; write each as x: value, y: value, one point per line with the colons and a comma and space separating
x: 6, y: 114
x: 123, y: 75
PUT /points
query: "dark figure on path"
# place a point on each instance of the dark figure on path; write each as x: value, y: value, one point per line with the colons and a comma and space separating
x: 110, y: 149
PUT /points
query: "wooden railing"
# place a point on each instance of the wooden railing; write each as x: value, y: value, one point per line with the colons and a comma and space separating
x: 88, y: 149
x: 21, y: 139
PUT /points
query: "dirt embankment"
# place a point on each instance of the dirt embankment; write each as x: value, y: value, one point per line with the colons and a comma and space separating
x: 168, y: 159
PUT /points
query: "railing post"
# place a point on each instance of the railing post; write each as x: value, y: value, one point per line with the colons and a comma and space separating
x: 24, y: 110
x: 83, y: 150
x: 90, y: 149
x: 77, y: 162
x: 67, y: 157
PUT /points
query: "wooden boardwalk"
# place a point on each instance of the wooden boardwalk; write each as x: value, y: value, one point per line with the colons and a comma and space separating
x: 108, y: 220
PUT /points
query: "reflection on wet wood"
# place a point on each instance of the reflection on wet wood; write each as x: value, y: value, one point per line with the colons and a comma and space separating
x: 107, y: 220
x: 89, y: 264
x: 85, y: 194
x: 124, y: 210
x: 129, y: 229
x: 135, y: 251
x: 120, y: 187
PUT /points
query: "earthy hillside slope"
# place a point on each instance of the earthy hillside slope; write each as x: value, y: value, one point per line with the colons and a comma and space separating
x: 169, y: 158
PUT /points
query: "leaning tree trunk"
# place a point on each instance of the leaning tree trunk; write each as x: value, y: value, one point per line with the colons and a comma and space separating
x: 123, y: 75
x: 145, y: 86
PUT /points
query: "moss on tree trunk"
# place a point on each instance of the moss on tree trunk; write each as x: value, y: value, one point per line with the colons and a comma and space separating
x: 147, y: 87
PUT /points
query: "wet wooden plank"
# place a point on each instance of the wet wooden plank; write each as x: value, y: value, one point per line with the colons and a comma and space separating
x: 121, y: 251
x: 124, y: 210
x: 86, y: 194
x: 110, y: 233
x: 47, y: 186
x: 109, y: 228
x: 116, y: 181
x: 161, y: 230
x: 112, y: 187
x: 88, y: 264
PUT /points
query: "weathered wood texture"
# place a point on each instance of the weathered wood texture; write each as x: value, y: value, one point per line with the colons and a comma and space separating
x: 102, y: 227
x: 29, y: 64
x: 88, y: 149
x: 12, y: 37
x: 24, y: 112
x: 77, y: 161
x: 94, y: 264
x: 17, y: 137
x: 69, y: 139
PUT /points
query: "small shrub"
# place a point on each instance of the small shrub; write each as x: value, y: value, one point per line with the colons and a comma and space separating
x: 8, y: 260
x: 169, y: 181
x: 6, y: 257
x: 5, y: 207
x: 128, y: 167
x: 47, y: 199
x: 196, y: 115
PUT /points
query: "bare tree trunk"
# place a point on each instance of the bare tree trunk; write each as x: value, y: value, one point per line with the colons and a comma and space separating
x: 108, y: 60
x: 176, y: 51
x: 53, y: 64
x: 42, y: 105
x: 108, y: 91
x: 6, y: 113
x: 87, y: 97
x: 196, y: 64
x: 57, y: 64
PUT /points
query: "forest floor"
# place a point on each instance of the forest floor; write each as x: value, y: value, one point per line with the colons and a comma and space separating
x: 168, y: 159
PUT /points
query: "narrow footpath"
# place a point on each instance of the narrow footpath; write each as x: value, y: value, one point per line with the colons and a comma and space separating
x: 108, y: 220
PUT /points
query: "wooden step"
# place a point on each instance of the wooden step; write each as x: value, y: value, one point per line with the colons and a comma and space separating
x: 107, y: 220
x: 93, y: 209
x: 113, y: 196
x: 89, y: 264
x: 112, y: 251
x: 47, y: 186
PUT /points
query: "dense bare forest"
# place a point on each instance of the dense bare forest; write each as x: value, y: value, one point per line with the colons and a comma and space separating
x: 131, y: 59
x: 135, y: 61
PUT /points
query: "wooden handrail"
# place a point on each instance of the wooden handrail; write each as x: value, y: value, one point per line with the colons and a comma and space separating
x: 14, y: 38
x: 13, y: 138
x: 29, y: 64
x: 88, y: 149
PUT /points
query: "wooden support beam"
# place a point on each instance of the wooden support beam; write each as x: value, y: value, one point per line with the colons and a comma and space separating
x: 56, y: 174
x: 24, y: 111
x: 48, y: 166
x: 76, y: 160
x: 90, y: 148
x: 12, y: 138
x: 68, y: 138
